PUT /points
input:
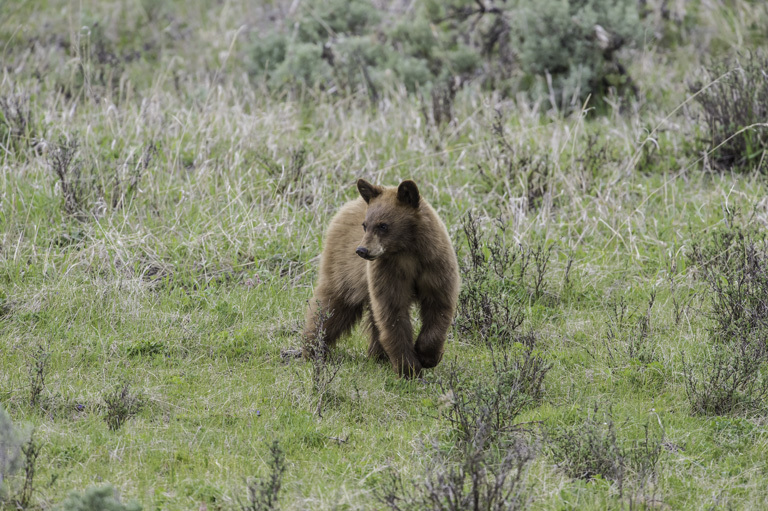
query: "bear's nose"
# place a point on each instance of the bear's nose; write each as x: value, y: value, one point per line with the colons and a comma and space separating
x: 362, y: 252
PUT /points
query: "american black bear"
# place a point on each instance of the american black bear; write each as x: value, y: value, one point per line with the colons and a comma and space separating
x: 385, y: 251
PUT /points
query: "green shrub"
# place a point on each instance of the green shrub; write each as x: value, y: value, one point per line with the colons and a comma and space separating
x: 16, y: 452
x: 480, y: 480
x: 94, y: 498
x: 267, y: 53
x: 350, y: 46
x: 320, y: 20
x: 498, y: 282
x: 263, y: 494
x: 121, y: 404
x: 303, y: 66
x: 483, y: 412
x: 593, y: 449
x: 736, y: 113
x: 575, y: 42
x: 732, y: 263
x: 346, y: 46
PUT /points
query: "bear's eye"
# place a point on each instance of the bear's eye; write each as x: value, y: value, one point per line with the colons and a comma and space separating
x: 383, y: 227
x: 364, y: 227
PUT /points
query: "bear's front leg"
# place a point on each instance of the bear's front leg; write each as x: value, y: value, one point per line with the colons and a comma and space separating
x: 436, y: 318
x: 396, y: 336
x: 375, y: 349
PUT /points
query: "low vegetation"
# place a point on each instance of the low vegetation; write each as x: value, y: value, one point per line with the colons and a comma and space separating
x: 166, y: 172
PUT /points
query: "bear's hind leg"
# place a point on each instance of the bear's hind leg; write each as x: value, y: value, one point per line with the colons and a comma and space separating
x: 329, y: 322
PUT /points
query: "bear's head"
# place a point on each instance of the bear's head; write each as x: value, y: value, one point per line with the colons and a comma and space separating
x: 391, y: 219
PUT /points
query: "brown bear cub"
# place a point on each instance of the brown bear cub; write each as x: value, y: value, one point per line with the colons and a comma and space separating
x: 405, y: 257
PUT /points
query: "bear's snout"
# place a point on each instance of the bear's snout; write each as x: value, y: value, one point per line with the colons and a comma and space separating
x: 363, y: 252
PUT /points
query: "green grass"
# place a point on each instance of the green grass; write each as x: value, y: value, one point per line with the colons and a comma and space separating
x: 191, y: 289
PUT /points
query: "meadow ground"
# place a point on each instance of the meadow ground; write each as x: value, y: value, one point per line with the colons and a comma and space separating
x: 160, y: 220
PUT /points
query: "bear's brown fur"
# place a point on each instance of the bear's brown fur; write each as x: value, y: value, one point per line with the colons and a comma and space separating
x: 405, y: 257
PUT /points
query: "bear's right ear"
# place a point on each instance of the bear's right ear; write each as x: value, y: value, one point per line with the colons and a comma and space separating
x: 367, y: 190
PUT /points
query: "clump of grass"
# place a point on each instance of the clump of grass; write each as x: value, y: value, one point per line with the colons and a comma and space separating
x: 516, y: 172
x: 121, y: 404
x: 124, y: 188
x: 68, y: 169
x: 733, y: 263
x: 629, y: 333
x: 263, y: 493
x: 592, y: 449
x: 291, y: 177
x: 735, y: 113
x: 16, y: 123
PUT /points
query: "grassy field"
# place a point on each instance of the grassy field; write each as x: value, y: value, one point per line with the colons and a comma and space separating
x: 161, y: 216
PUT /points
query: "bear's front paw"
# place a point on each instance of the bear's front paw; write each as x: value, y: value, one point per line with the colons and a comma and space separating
x: 429, y: 360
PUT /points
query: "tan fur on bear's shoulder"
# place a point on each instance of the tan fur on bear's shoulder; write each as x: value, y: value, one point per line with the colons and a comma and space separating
x: 402, y: 256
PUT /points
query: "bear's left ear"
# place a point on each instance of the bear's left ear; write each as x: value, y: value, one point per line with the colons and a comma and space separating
x: 408, y: 193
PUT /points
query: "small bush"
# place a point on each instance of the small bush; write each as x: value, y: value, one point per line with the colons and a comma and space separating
x: 569, y: 48
x: 592, y: 449
x: 121, y: 404
x: 482, y: 412
x: 30, y: 450
x: 16, y: 122
x: 340, y: 46
x: 497, y: 282
x: 628, y: 333
x: 736, y: 113
x: 733, y: 263
x: 730, y: 381
x: 488, y: 307
x: 303, y: 66
x: 68, y: 169
x: 319, y: 21
x: 484, y: 467
x: 11, y: 458
x: 263, y: 493
x: 322, y: 52
x: 97, y: 498
x: 479, y: 481
x: 16, y: 453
